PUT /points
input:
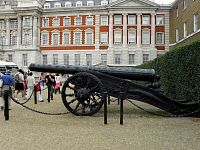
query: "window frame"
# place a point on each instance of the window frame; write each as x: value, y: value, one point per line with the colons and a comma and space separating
x: 143, y: 21
x: 86, y: 37
x: 117, y: 22
x: 117, y: 59
x: 102, y: 21
x: 116, y: 37
x: 135, y: 41
x: 58, y: 38
x: 149, y: 41
x: 102, y: 41
x: 163, y: 38
x: 77, y: 32
x: 129, y: 17
x: 162, y: 17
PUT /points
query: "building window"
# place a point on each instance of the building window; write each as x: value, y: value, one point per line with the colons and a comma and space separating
x: 88, y: 38
x: 55, y: 59
x: 196, y: 22
x: 27, y: 38
x: 47, y: 5
x: 117, y: 37
x: 177, y: 14
x: 117, y: 19
x: 57, y: 5
x: 10, y: 57
x: 68, y: 4
x: 185, y: 3
x: 104, y: 38
x: 104, y: 2
x: 78, y: 21
x: 159, y: 38
x: 55, y: 39
x: 90, y: 3
x: 89, y: 59
x: 104, y: 59
x: 145, y: 58
x: 2, y: 39
x: 66, y: 59
x: 131, y: 37
x: 24, y: 60
x: 77, y: 38
x: 13, y: 38
x: 45, y: 39
x: 159, y: 20
x: 67, y: 21
x: 27, y: 21
x: 78, y: 4
x: 89, y: 20
x: 2, y: 25
x: 177, y: 35
x: 44, y: 59
x: 131, y: 19
x: 66, y: 38
x: 104, y: 20
x: 13, y: 24
x: 56, y: 22
x: 45, y: 22
x: 146, y: 20
x: 185, y: 29
x: 117, y: 58
x: 131, y: 59
x: 145, y: 37
x: 77, y: 59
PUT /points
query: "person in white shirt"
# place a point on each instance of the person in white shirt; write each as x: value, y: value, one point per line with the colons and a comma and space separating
x: 58, y: 83
x: 30, y: 84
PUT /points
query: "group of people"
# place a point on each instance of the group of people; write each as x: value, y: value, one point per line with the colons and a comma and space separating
x: 25, y: 82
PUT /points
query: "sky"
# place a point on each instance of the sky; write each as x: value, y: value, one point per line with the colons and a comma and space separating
x: 164, y: 1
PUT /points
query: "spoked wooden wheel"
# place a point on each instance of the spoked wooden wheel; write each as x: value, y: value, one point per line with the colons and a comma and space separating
x: 82, y: 94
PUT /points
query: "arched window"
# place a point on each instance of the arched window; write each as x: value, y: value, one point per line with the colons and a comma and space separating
x: 90, y: 3
x: 68, y: 4
x: 57, y: 5
x: 46, y: 5
x: 78, y: 4
x: 104, y: 2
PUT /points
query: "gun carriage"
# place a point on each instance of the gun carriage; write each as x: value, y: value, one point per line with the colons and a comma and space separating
x: 84, y: 92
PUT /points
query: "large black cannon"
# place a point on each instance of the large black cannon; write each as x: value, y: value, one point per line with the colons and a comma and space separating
x: 84, y: 92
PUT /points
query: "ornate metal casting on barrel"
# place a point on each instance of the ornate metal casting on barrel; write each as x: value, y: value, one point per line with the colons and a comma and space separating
x: 84, y: 92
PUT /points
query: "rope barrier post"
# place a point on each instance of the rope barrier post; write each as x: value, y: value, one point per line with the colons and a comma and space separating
x: 35, y: 94
x: 121, y: 107
x: 105, y: 107
x: 49, y: 93
x: 6, y: 105
x: 121, y: 101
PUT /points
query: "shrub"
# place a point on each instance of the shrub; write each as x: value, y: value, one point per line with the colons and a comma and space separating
x: 179, y: 70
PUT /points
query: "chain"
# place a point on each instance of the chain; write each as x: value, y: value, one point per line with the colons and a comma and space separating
x: 182, y: 115
x: 40, y: 112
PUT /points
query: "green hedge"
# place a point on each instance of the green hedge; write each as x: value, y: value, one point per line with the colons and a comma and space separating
x: 179, y: 70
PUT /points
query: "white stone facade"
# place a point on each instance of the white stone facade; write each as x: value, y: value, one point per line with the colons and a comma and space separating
x: 29, y: 15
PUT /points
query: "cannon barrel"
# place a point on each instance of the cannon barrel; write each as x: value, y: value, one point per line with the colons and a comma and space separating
x: 130, y: 73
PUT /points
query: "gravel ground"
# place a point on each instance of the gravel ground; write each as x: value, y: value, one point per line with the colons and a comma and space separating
x: 27, y: 130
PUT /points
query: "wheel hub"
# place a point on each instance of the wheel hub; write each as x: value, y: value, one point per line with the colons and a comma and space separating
x: 82, y: 94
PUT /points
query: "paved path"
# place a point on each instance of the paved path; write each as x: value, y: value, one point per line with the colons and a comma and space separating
x: 31, y: 131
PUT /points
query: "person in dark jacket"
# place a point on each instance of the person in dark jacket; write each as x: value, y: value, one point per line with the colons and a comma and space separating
x: 50, y: 82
